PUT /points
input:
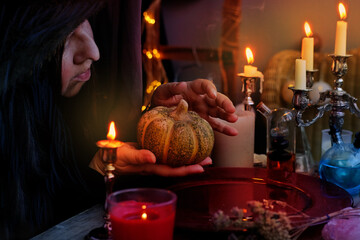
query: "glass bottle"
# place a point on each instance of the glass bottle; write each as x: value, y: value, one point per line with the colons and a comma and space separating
x: 280, y: 138
x: 340, y: 165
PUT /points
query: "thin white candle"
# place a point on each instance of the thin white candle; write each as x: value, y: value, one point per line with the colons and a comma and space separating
x: 300, y: 74
x: 307, y: 48
x: 341, y: 31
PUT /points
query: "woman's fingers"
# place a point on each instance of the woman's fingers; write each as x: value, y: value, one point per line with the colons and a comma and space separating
x: 169, y: 94
x: 203, y: 86
x: 132, y: 160
x: 222, y: 127
x: 128, y: 154
x: 207, y: 161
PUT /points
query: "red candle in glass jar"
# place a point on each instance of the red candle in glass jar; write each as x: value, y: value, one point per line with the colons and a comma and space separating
x: 133, y: 220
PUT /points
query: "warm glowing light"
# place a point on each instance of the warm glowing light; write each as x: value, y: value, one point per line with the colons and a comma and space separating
x: 144, y: 216
x: 148, y: 18
x: 152, y: 87
x: 149, y: 89
x: 342, y: 11
x: 149, y: 54
x: 156, y: 53
x: 110, y: 142
x: 112, y: 133
x: 307, y: 28
x: 249, y: 55
x: 143, y: 206
x: 143, y: 107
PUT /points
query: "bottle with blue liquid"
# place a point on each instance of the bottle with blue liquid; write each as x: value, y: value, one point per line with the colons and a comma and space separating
x: 341, y: 164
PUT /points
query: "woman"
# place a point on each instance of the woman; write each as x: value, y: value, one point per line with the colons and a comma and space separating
x: 37, y: 161
x: 48, y: 130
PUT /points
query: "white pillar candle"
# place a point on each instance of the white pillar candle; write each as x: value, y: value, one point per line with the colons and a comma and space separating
x: 300, y: 74
x: 236, y: 151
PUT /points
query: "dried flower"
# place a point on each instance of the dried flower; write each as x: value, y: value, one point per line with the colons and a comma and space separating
x: 221, y: 220
x: 262, y: 221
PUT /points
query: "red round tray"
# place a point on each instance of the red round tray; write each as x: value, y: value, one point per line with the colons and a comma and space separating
x: 199, y: 197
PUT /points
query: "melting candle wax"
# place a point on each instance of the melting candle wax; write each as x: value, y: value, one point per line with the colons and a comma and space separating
x: 109, y: 143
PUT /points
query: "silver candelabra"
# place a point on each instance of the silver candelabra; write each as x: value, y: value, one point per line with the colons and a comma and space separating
x: 340, y: 100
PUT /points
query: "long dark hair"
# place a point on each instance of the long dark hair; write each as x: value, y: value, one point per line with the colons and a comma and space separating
x: 35, y: 149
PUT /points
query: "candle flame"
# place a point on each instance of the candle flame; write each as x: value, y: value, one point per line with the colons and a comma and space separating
x: 249, y: 55
x: 144, y: 216
x: 112, y: 133
x: 307, y: 28
x: 342, y: 11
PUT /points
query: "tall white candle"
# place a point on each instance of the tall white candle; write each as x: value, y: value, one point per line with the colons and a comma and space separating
x: 340, y: 40
x: 307, y: 48
x: 300, y: 74
x: 341, y: 30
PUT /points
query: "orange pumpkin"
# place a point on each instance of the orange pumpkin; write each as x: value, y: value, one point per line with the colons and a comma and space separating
x: 175, y: 135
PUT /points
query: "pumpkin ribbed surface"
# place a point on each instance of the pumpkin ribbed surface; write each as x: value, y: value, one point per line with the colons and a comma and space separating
x: 175, y: 135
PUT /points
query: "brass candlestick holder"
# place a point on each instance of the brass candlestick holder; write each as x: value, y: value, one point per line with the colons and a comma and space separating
x: 340, y: 100
x: 107, y: 151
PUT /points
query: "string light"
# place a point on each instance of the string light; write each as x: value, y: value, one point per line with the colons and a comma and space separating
x: 152, y: 53
x: 153, y: 85
x: 148, y: 18
x: 156, y: 53
x: 148, y: 54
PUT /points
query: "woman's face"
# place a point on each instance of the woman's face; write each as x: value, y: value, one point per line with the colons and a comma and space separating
x: 80, y: 51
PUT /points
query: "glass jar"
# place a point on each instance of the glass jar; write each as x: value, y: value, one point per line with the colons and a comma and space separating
x: 280, y: 138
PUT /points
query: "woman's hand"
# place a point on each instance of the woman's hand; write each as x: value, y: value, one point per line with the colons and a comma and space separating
x: 142, y: 161
x: 203, y: 98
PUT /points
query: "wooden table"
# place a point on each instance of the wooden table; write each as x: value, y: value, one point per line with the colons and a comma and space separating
x: 75, y: 227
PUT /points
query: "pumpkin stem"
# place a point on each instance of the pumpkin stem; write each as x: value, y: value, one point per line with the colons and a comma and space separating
x: 180, y: 111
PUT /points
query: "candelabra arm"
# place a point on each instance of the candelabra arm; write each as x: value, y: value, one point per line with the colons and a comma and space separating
x: 353, y: 107
x: 320, y: 114
x: 323, y: 97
